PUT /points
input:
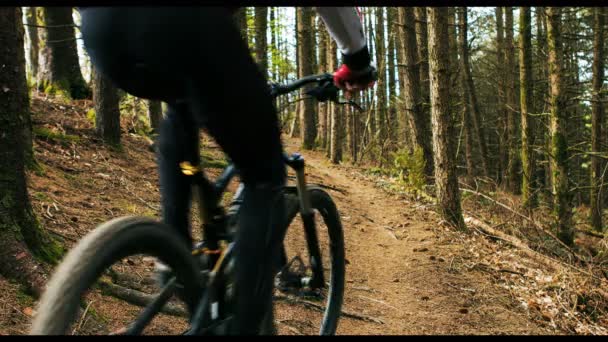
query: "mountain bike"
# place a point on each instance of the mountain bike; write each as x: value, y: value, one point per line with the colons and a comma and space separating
x: 311, y: 269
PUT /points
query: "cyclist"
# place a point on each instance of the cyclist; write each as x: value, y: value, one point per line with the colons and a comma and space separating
x: 194, y: 59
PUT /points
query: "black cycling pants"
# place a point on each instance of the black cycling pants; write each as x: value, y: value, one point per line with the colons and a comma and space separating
x: 194, y: 59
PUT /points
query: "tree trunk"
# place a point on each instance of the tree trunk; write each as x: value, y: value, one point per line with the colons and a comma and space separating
x: 456, y: 91
x: 335, y: 148
x: 525, y: 88
x: 411, y: 86
x: 381, y: 83
x: 559, y: 144
x: 513, y: 180
x: 391, y: 14
x: 372, y: 47
x: 20, y: 232
x: 62, y: 72
x: 423, y: 55
x: 469, y: 96
x: 261, y: 45
x: 503, y: 151
x: 307, y: 107
x: 403, y: 125
x: 155, y: 114
x: 597, y: 117
x: 107, y: 114
x: 273, y: 44
x: 543, y: 173
x: 446, y: 181
x: 32, y: 34
x: 323, y: 67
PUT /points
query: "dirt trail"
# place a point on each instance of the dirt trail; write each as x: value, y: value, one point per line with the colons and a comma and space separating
x: 403, y: 268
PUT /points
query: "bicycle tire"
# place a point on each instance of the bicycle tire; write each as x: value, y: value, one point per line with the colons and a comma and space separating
x: 322, y: 202
x: 98, y: 250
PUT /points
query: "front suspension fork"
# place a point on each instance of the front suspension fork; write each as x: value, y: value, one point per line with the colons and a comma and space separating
x: 308, y: 219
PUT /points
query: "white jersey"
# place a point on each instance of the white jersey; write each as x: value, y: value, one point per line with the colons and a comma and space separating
x: 344, y: 26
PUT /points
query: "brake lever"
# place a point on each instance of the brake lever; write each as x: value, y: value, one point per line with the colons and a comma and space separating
x: 352, y: 103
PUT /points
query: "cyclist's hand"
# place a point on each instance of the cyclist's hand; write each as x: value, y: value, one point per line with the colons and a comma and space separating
x: 355, y: 80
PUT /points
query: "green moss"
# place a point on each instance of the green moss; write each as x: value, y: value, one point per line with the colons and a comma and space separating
x: 118, y: 148
x: 91, y: 115
x: 409, y: 167
x: 7, y: 202
x: 212, y: 162
x: 41, y: 196
x: 46, y: 133
x: 33, y: 165
x: 70, y: 177
x: 134, y: 209
x: 42, y: 245
x: 24, y: 297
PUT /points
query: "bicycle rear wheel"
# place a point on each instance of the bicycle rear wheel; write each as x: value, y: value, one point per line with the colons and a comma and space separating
x: 299, y: 309
x: 103, y: 247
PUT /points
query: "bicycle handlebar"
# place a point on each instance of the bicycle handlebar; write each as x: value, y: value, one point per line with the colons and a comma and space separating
x: 325, y: 90
x: 282, y: 89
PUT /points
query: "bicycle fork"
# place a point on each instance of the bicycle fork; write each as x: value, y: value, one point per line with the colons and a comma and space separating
x: 308, y: 219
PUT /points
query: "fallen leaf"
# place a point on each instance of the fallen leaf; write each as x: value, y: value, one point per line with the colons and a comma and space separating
x: 29, y: 312
x: 21, y: 255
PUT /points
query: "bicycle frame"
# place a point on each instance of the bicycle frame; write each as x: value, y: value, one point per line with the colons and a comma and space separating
x: 215, y: 228
x: 219, y: 241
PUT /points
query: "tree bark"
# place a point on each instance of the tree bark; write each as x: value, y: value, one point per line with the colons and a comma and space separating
x: 336, y: 113
x: 155, y: 114
x: 261, y: 45
x: 559, y: 144
x: 525, y: 88
x: 411, y: 94
x: 543, y: 173
x: 381, y: 83
x: 423, y: 55
x: 469, y: 96
x: 308, y: 130
x: 597, y: 117
x: 323, y: 107
x: 32, y: 34
x: 20, y: 233
x: 391, y: 14
x: 513, y: 179
x: 107, y: 114
x: 62, y: 72
x: 403, y: 125
x: 503, y: 152
x: 446, y: 181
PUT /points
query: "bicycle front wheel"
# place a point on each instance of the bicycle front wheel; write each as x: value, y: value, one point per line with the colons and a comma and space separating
x: 300, y: 308
x: 108, y: 244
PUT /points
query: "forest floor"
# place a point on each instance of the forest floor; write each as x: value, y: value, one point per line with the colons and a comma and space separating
x: 406, y: 273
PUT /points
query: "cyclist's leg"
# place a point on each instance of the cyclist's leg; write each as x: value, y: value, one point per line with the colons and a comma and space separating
x: 125, y: 44
x: 203, y: 47
x: 240, y: 115
x: 178, y: 142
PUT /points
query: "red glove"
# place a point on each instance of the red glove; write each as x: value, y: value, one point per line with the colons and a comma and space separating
x: 351, y: 80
